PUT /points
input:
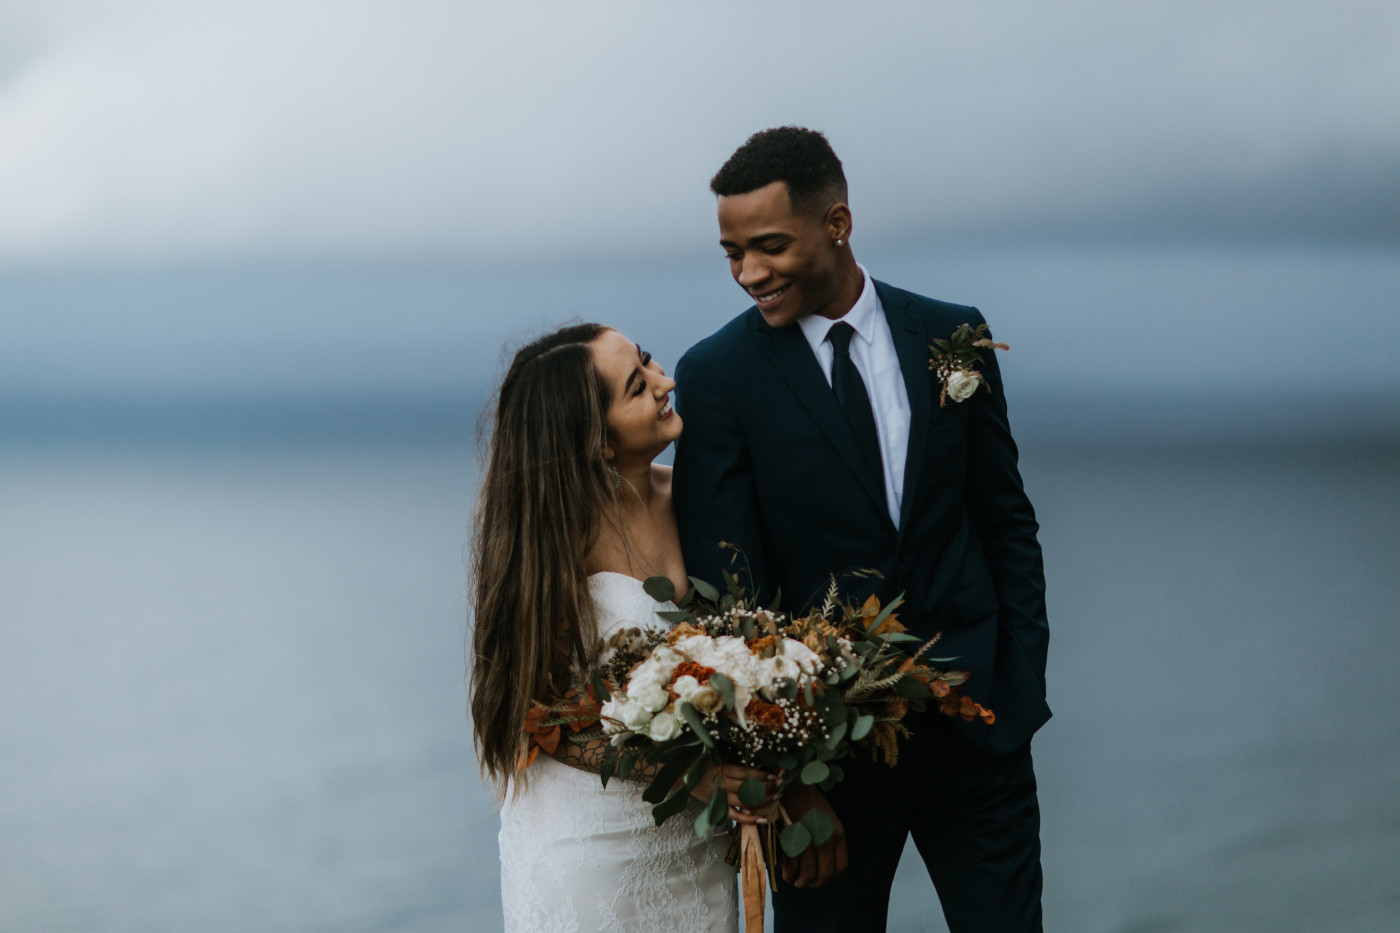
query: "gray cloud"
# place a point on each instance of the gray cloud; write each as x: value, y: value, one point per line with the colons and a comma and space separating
x: 164, y: 132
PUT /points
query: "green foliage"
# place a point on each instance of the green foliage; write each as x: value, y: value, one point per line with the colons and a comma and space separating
x: 670, y: 807
x: 725, y: 687
x: 705, y: 590
x: 660, y: 589
x: 819, y: 826
x: 752, y: 792
x: 692, y: 719
x: 794, y: 838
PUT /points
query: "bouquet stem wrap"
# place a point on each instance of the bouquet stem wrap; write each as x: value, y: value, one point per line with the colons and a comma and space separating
x: 752, y: 877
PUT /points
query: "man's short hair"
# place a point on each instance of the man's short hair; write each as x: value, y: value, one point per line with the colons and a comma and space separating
x: 799, y: 157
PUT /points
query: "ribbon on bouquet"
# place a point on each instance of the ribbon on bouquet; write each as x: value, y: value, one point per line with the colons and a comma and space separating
x: 757, y: 854
x: 752, y: 880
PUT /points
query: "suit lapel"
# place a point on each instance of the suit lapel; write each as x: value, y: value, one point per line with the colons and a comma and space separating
x: 792, y: 356
x: 911, y: 345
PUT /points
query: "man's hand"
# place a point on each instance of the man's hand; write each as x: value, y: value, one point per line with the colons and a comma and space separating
x: 817, y: 864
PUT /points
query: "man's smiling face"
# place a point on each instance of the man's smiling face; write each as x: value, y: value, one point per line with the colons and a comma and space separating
x: 785, y: 260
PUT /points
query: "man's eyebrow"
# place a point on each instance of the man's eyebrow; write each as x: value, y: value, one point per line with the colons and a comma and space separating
x: 758, y: 240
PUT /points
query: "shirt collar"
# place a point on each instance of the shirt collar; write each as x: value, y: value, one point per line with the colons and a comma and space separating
x: 861, y: 317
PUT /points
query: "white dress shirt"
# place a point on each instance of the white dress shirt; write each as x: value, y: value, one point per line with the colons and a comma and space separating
x: 872, y: 350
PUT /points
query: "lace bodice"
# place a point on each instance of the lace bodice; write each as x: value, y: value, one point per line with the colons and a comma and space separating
x: 621, y: 602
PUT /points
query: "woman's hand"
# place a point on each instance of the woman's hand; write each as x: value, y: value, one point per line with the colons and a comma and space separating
x: 730, y: 777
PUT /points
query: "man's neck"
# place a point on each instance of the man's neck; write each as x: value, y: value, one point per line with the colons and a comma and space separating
x: 851, y: 282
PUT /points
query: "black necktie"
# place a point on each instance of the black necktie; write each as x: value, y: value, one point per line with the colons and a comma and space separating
x: 854, y: 400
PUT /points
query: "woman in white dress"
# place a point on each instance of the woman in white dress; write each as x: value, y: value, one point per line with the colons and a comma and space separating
x: 573, y: 515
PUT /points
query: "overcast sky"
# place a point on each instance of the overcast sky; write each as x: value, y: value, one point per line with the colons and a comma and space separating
x: 328, y: 196
x: 170, y: 131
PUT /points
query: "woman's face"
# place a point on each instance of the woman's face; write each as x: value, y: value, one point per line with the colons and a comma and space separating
x: 641, y: 421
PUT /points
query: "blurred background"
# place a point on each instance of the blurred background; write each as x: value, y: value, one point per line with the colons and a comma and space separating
x: 260, y: 264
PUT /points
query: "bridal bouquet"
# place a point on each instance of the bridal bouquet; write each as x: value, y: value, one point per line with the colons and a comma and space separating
x: 734, y: 684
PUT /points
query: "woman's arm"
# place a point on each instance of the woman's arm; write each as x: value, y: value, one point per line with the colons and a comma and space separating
x: 588, y: 756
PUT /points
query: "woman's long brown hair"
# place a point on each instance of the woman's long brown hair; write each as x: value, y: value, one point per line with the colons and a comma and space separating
x: 541, y: 501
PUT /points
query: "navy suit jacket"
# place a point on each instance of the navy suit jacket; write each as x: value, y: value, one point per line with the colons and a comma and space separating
x: 767, y: 461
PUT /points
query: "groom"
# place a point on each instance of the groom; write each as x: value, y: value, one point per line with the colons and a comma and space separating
x: 815, y: 439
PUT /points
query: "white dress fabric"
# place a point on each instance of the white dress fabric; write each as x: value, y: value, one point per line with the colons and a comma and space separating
x: 577, y: 857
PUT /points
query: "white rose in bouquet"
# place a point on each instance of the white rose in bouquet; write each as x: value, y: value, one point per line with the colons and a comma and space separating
x: 612, y: 714
x: 652, y: 697
x: 962, y: 384
x: 805, y: 658
x: 706, y: 700
x: 685, y: 687
x: 635, y: 716
x: 664, y: 727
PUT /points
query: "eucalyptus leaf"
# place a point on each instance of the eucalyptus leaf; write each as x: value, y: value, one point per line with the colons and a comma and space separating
x: 837, y: 734
x: 692, y: 719
x: 862, y: 727
x: 703, y: 824
x: 725, y: 686
x: 670, y: 806
x: 794, y: 839
x: 719, y: 805
x: 752, y: 792
x: 707, y: 591
x: 696, y: 772
x: 676, y: 615
x: 819, y: 825
x: 814, y: 772
x: 665, y: 779
x: 660, y: 589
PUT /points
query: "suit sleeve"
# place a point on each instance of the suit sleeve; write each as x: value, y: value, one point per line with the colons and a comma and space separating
x: 714, y: 491
x: 1004, y: 520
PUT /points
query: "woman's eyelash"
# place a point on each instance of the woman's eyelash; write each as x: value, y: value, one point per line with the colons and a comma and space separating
x: 646, y: 357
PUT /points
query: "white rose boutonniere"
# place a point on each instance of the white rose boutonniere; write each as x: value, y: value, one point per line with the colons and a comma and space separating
x: 955, y: 360
x: 961, y: 385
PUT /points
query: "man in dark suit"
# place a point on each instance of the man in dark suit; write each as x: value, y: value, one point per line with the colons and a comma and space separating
x: 815, y: 440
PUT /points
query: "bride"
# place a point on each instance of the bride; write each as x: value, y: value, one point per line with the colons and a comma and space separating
x: 573, y: 515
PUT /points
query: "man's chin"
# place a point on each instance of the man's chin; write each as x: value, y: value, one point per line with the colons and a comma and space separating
x: 779, y: 318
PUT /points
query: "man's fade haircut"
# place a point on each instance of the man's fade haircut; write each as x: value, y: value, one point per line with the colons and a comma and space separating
x: 799, y: 157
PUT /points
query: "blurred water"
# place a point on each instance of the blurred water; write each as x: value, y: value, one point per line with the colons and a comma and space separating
x: 231, y: 690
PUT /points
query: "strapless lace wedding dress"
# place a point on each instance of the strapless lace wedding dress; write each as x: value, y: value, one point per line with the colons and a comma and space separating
x: 577, y: 857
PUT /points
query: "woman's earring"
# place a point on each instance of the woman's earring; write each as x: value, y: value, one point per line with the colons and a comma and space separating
x: 614, y: 478
x: 840, y: 242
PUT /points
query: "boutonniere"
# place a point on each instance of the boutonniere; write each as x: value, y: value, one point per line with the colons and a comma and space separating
x: 955, y: 360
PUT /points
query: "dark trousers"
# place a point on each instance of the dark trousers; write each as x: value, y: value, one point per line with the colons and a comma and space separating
x: 975, y: 820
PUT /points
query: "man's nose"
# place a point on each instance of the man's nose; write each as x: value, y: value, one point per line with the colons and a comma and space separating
x: 752, y: 270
